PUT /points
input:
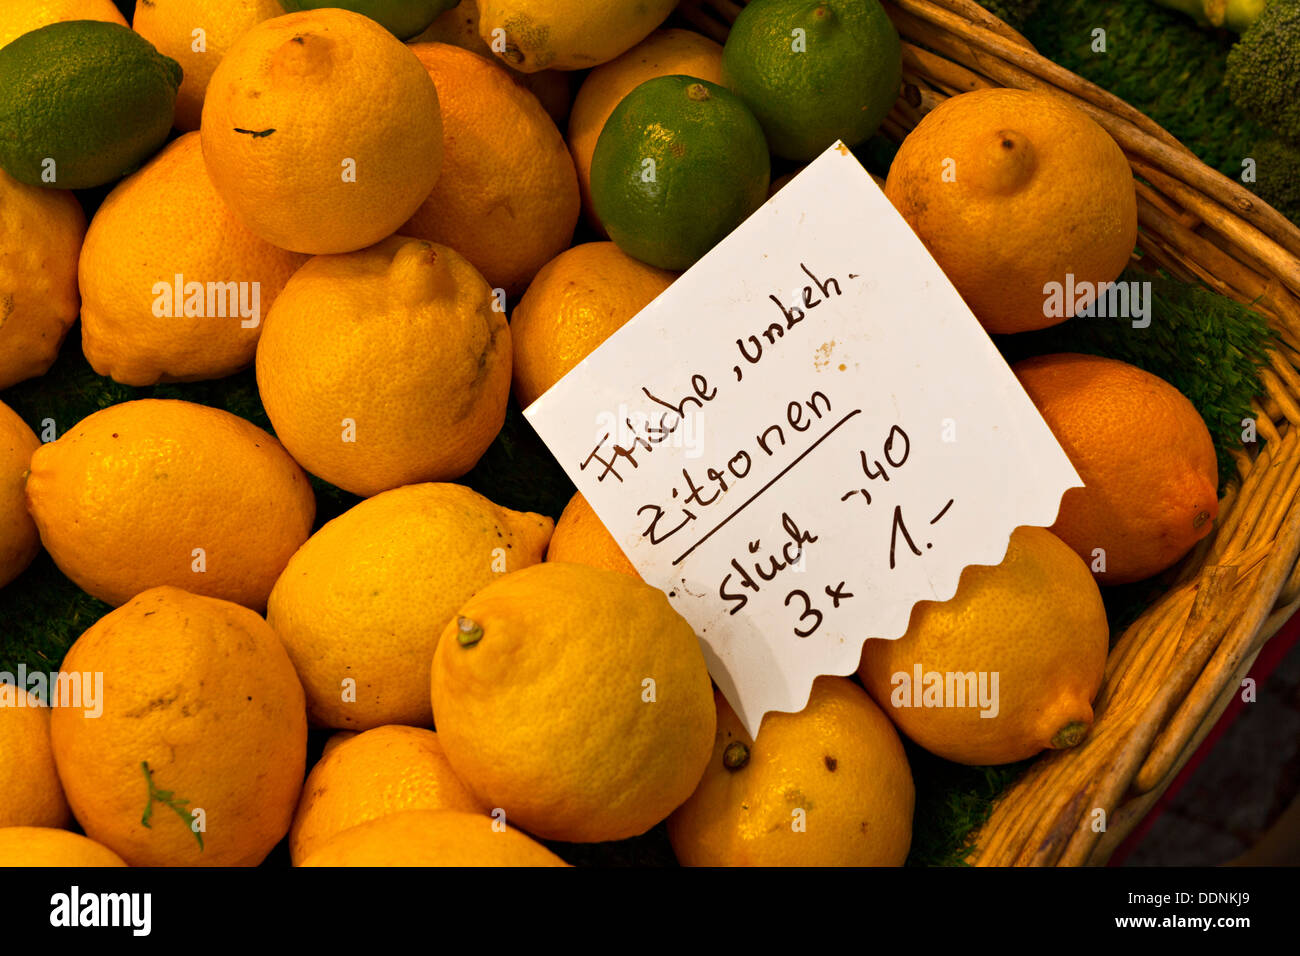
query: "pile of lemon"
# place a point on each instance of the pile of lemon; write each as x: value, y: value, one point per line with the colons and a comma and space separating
x: 378, y: 213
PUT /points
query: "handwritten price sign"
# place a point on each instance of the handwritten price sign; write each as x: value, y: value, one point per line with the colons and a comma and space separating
x: 804, y: 436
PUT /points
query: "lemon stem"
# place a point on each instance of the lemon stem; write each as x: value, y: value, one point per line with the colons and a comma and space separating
x: 735, y: 756
x: 1069, y: 735
x: 468, y: 633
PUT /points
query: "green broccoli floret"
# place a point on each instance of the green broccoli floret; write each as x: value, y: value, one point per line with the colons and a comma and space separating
x: 1015, y: 13
x: 1277, y: 177
x: 1263, y: 75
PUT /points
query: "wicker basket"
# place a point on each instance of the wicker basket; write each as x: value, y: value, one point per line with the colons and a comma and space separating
x: 1174, y: 670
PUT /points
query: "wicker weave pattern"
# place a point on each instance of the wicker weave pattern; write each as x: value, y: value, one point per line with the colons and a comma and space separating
x: 1172, y: 673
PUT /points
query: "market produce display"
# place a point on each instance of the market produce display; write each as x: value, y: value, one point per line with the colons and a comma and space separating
x: 275, y: 495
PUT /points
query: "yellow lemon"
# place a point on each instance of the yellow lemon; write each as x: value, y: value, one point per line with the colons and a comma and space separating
x: 382, y: 771
x: 459, y: 27
x: 158, y: 491
x: 173, y: 286
x: 581, y: 538
x: 432, y: 838
x: 321, y: 131
x: 1011, y: 191
x: 387, y: 366
x: 30, y: 792
x: 579, y: 299
x: 40, y: 239
x: 197, y: 34
x: 23, y: 16
x: 828, y: 786
x: 507, y: 199
x: 198, y: 755
x: 42, y: 846
x: 576, y: 700
x: 1004, y: 669
x: 533, y: 35
x: 361, y: 605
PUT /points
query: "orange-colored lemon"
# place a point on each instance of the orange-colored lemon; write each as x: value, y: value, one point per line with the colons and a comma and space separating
x: 459, y: 27
x: 198, y: 755
x: 579, y: 299
x: 507, y: 199
x: 432, y: 838
x: 582, y: 538
x: 1004, y: 669
x: 178, y: 27
x: 361, y: 605
x: 576, y: 700
x: 40, y: 239
x: 42, y: 846
x: 387, y: 366
x: 19, y: 540
x: 1011, y: 191
x: 137, y: 325
x: 1145, y: 456
x: 160, y: 491
x: 382, y: 771
x: 828, y: 786
x: 30, y: 792
x: 662, y: 53
x: 321, y: 131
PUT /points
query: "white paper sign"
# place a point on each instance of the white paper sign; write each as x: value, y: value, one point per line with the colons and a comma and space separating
x: 806, y: 434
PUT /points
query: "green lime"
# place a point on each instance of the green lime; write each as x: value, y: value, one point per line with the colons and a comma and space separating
x: 814, y: 71
x: 679, y: 164
x: 82, y: 103
x: 402, y: 18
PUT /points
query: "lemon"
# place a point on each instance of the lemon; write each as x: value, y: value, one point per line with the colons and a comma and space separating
x: 361, y: 605
x: 581, y: 538
x: 459, y: 27
x: 574, y: 699
x: 139, y: 323
x: 197, y: 34
x: 159, y: 491
x: 19, y: 540
x: 1011, y: 191
x: 40, y: 239
x: 1004, y: 669
x: 30, y: 792
x: 507, y: 198
x: 198, y: 755
x: 23, y: 16
x: 321, y: 131
x: 533, y: 35
x: 828, y: 786
x: 577, y: 300
x: 43, y: 846
x: 432, y: 838
x: 381, y: 771
x: 387, y: 366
